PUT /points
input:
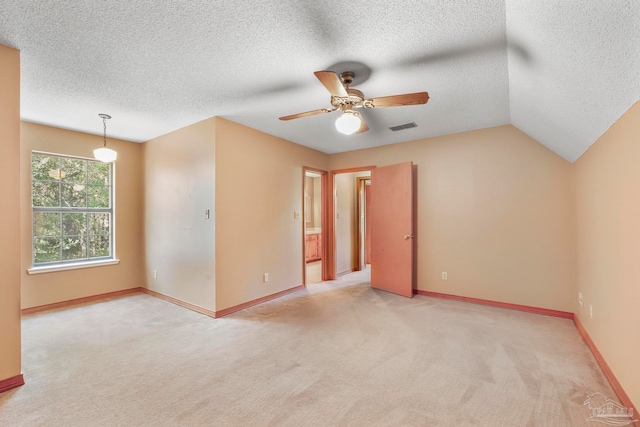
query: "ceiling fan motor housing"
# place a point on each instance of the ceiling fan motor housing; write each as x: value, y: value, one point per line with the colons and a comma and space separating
x: 354, y: 99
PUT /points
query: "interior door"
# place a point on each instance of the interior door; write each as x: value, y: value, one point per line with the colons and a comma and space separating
x: 391, y: 219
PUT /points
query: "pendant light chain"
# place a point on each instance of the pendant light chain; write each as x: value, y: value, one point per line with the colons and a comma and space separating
x: 104, y: 124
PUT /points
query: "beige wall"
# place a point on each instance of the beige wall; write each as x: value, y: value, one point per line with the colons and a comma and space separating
x: 317, y: 202
x: 10, y: 223
x: 313, y: 195
x: 345, y: 201
x: 258, y: 189
x: 347, y: 221
x: 179, y: 239
x: 47, y: 288
x: 494, y: 211
x: 607, y: 200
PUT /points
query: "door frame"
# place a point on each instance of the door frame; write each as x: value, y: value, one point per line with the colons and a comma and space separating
x: 324, y: 215
x: 330, y: 250
x: 361, y: 188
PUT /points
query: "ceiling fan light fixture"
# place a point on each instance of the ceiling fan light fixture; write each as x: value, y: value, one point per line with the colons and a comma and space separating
x: 348, y: 123
x: 104, y: 154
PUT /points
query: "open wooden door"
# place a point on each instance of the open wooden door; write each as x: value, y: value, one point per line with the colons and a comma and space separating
x: 391, y: 219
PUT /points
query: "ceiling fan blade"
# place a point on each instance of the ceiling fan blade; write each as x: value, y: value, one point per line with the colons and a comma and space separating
x: 307, y: 114
x: 399, y: 100
x: 332, y: 82
x: 363, y: 126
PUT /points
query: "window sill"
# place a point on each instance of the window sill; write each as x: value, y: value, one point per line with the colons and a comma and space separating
x: 74, y: 266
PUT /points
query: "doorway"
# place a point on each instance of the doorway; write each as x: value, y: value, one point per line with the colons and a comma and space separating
x: 347, y: 220
x: 314, y: 212
x: 390, y: 218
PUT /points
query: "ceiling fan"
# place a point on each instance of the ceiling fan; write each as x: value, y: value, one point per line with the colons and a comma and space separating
x: 348, y: 100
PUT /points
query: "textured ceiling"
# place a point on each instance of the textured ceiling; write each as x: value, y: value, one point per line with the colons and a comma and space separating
x: 561, y: 71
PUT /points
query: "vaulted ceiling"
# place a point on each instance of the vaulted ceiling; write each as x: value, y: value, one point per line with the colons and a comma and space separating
x: 562, y: 71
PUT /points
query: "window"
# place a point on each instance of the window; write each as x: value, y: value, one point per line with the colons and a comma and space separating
x: 72, y: 201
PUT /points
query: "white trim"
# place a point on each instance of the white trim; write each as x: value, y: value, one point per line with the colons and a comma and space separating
x: 71, y: 266
x: 50, y: 153
x: 113, y: 210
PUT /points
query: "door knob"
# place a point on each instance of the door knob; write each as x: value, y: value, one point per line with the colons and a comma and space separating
x: 408, y: 236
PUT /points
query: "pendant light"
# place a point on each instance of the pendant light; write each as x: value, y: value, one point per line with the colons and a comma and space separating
x: 105, y: 154
x: 349, y: 122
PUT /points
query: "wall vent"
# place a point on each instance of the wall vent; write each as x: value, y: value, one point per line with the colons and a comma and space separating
x: 404, y: 126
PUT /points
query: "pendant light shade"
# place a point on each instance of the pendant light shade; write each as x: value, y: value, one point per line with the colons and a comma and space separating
x: 348, y: 122
x: 104, y: 154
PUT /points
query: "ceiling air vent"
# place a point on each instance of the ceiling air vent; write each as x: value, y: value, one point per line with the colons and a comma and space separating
x: 404, y: 126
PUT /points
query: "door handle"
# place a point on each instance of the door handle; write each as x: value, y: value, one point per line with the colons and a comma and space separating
x: 408, y: 236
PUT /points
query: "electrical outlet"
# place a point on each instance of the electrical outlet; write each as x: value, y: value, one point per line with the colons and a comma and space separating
x: 265, y: 277
x: 296, y: 215
x: 155, y: 274
x: 444, y: 275
x: 580, y: 300
x: 590, y: 311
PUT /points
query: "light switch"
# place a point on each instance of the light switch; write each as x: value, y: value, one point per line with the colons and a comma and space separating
x: 296, y: 215
x: 580, y: 299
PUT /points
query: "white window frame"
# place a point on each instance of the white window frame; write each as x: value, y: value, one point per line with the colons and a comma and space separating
x: 78, y: 263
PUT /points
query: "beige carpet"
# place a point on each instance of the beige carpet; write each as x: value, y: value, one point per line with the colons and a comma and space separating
x: 336, y: 354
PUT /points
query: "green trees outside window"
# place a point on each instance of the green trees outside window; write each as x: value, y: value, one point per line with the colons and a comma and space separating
x: 72, y: 209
